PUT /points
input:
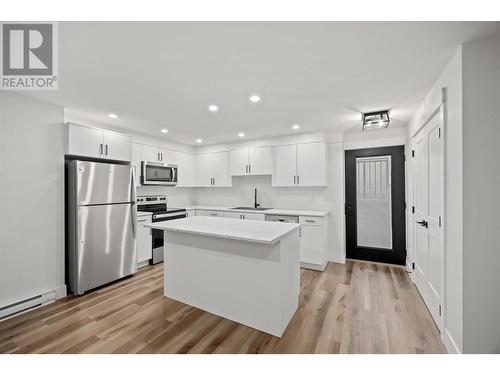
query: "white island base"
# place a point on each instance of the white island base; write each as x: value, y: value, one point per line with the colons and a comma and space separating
x: 245, y: 280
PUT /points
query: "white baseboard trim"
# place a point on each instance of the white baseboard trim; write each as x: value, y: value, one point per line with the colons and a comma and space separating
x: 449, y: 343
x: 311, y: 266
x: 60, y: 291
x: 409, y: 269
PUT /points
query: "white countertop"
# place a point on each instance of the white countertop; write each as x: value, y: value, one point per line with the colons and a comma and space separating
x: 273, y: 211
x: 264, y: 232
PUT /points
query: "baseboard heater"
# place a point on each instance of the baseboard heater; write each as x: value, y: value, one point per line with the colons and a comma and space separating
x: 27, y: 304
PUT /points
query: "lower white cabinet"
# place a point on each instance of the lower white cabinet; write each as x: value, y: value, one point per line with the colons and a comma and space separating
x: 144, y: 240
x: 313, y: 242
x: 245, y: 215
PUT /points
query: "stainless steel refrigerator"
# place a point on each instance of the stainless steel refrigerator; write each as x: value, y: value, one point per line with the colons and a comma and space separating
x: 101, y: 225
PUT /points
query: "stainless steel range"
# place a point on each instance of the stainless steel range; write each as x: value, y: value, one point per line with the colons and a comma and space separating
x: 157, y: 205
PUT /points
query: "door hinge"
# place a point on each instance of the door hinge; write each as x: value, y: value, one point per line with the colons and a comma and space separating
x: 413, y: 265
x: 412, y: 209
x: 440, y: 310
x: 412, y: 153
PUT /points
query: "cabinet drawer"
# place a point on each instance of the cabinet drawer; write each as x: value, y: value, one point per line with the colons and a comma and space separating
x: 209, y: 213
x: 311, y: 220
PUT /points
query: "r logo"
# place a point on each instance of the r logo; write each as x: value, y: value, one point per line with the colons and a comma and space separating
x: 27, y: 49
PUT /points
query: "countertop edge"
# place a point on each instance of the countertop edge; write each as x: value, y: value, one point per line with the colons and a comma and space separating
x: 273, y: 211
x: 229, y: 237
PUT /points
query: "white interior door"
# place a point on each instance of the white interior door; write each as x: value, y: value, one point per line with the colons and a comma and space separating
x: 428, y: 202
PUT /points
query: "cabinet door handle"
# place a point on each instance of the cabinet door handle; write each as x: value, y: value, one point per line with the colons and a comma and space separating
x: 214, y: 180
x: 246, y: 168
x: 310, y: 221
x: 250, y: 168
x: 106, y: 150
x: 298, y: 180
x: 294, y: 179
x: 100, y: 149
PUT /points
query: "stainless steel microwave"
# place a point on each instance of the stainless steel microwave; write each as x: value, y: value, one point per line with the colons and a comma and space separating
x: 153, y: 173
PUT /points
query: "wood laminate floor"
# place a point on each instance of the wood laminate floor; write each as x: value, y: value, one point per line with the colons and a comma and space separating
x: 353, y: 308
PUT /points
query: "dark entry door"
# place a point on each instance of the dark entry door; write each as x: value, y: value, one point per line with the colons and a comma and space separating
x: 375, y: 204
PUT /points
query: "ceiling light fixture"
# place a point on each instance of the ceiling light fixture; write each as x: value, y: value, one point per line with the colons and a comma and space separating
x: 112, y: 115
x: 376, y: 120
x: 295, y: 126
x: 164, y: 131
x: 199, y: 140
x: 255, y: 98
x: 213, y: 108
x: 241, y: 134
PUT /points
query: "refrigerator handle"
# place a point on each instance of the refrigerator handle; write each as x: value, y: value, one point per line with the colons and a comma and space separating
x: 133, y: 191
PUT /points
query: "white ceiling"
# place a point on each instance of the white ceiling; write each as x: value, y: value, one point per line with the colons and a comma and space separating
x: 321, y: 75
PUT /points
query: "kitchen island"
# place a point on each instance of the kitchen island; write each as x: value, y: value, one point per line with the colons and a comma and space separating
x: 243, y: 270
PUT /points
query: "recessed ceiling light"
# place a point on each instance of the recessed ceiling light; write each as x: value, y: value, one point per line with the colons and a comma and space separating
x: 112, y: 115
x: 199, y: 140
x: 164, y: 130
x: 213, y: 108
x: 255, y: 98
x: 295, y: 126
x: 241, y: 134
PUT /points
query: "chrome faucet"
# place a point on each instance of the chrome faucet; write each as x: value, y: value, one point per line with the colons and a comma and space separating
x: 255, y: 204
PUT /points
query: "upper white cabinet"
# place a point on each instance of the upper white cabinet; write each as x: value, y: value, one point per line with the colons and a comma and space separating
x: 186, y: 171
x: 302, y: 164
x: 96, y: 143
x: 212, y: 169
x: 250, y: 161
x: 311, y: 164
x: 158, y: 154
x: 185, y: 161
x: 117, y: 146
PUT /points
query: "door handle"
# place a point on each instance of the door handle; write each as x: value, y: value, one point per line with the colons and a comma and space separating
x: 298, y: 180
x: 106, y: 152
x: 100, y: 149
x: 423, y: 223
x: 294, y: 179
x: 249, y: 169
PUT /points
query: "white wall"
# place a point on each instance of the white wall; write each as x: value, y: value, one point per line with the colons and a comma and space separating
x: 31, y: 188
x: 375, y: 138
x: 316, y: 198
x: 481, y: 194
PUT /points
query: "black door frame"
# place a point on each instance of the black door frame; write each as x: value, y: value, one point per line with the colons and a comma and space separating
x: 397, y: 255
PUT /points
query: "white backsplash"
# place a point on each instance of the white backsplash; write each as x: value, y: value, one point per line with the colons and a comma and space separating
x: 176, y: 197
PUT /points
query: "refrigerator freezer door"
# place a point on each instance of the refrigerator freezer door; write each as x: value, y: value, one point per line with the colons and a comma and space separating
x: 106, y: 248
x: 101, y: 183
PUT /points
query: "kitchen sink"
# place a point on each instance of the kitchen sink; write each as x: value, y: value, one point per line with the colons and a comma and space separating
x: 252, y: 208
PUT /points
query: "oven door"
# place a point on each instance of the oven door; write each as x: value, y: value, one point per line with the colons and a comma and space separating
x: 158, y: 235
x: 158, y: 173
